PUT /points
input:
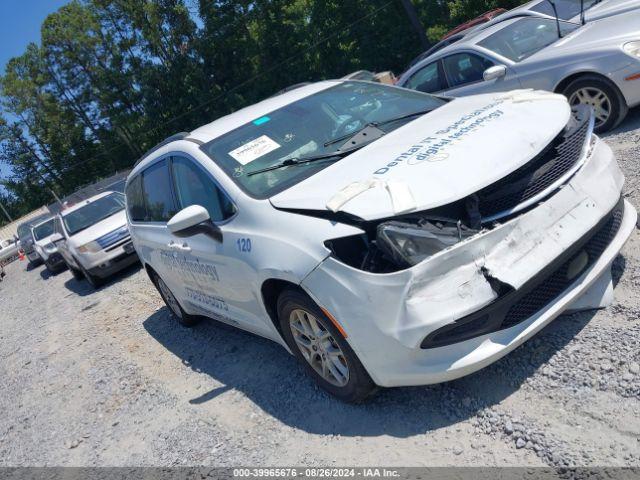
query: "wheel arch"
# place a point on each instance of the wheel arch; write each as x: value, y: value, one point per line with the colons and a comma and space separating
x: 564, y: 83
x: 270, y: 290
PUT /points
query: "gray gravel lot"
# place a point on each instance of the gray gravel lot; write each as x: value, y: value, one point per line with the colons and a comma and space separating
x: 106, y: 378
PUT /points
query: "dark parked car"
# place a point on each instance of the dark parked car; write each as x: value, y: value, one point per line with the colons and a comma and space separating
x: 26, y: 238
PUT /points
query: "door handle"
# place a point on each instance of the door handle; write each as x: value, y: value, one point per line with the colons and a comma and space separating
x: 184, y: 247
x: 176, y: 246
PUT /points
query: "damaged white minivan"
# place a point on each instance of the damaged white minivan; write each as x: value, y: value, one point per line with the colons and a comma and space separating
x: 386, y: 237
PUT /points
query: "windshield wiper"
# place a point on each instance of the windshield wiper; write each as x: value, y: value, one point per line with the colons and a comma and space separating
x: 377, y: 124
x: 338, y: 153
x: 302, y: 160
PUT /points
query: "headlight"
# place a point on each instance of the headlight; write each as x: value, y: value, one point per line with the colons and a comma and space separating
x: 91, y: 247
x: 409, y: 244
x: 632, y: 48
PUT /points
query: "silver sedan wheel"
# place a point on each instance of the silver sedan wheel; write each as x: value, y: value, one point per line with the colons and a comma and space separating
x: 318, y: 347
x: 169, y: 298
x: 597, y: 99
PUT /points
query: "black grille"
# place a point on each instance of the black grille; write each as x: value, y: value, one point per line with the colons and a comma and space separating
x: 541, y: 172
x: 552, y: 286
x: 516, y: 306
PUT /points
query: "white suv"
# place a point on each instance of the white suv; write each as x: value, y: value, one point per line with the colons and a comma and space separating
x: 384, y: 236
x: 46, y: 244
x: 96, y: 237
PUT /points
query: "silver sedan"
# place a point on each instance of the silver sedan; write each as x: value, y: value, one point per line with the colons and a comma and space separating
x: 573, y: 10
x: 597, y: 63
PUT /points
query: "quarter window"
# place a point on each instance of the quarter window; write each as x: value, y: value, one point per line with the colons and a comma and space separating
x: 428, y: 79
x: 194, y: 187
x: 135, y: 200
x: 463, y: 68
x: 157, y: 194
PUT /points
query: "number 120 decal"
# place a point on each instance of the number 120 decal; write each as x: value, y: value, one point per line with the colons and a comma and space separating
x: 244, y: 244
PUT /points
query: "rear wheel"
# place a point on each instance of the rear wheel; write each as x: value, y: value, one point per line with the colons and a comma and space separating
x: 322, y: 349
x: 172, y: 303
x: 608, y: 104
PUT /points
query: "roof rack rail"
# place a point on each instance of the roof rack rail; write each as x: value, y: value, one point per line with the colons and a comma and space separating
x: 172, y: 138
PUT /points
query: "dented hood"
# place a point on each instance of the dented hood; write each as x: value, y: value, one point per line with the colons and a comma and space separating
x: 436, y: 159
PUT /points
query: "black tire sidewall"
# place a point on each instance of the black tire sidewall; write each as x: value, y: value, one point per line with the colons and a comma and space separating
x: 92, y: 280
x: 77, y: 274
x: 360, y: 385
x: 615, y: 98
x: 186, y: 320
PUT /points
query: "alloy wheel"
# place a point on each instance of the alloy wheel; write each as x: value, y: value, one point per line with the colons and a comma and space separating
x: 595, y: 98
x: 318, y: 347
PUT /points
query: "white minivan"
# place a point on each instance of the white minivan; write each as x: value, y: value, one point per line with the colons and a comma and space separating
x: 96, y: 242
x: 384, y: 236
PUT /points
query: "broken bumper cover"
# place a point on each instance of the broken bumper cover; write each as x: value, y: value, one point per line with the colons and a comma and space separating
x: 388, y: 317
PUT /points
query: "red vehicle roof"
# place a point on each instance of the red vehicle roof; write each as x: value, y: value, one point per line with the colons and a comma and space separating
x: 484, y: 18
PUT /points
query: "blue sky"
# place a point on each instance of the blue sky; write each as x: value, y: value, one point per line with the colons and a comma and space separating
x: 20, y: 22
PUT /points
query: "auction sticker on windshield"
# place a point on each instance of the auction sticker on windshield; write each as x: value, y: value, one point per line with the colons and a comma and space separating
x: 254, y: 149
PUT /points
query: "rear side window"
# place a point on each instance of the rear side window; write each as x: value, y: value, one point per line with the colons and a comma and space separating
x: 135, y: 200
x: 157, y: 194
x: 194, y: 187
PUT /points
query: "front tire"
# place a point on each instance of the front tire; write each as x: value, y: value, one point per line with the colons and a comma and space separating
x: 77, y: 274
x: 321, y: 348
x: 93, y: 280
x: 609, y: 105
x: 172, y: 303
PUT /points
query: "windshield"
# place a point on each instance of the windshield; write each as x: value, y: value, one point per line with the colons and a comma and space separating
x: 525, y: 36
x: 93, y: 212
x: 43, y: 230
x: 302, y: 128
x: 567, y: 9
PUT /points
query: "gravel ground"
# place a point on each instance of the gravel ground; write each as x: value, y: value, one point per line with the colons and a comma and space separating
x: 106, y: 378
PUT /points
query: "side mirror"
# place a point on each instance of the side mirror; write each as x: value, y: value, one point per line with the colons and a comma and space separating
x: 193, y: 220
x: 56, y: 237
x: 495, y: 72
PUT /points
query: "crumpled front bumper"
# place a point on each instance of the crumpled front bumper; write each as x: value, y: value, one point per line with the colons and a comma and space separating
x: 387, y: 316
